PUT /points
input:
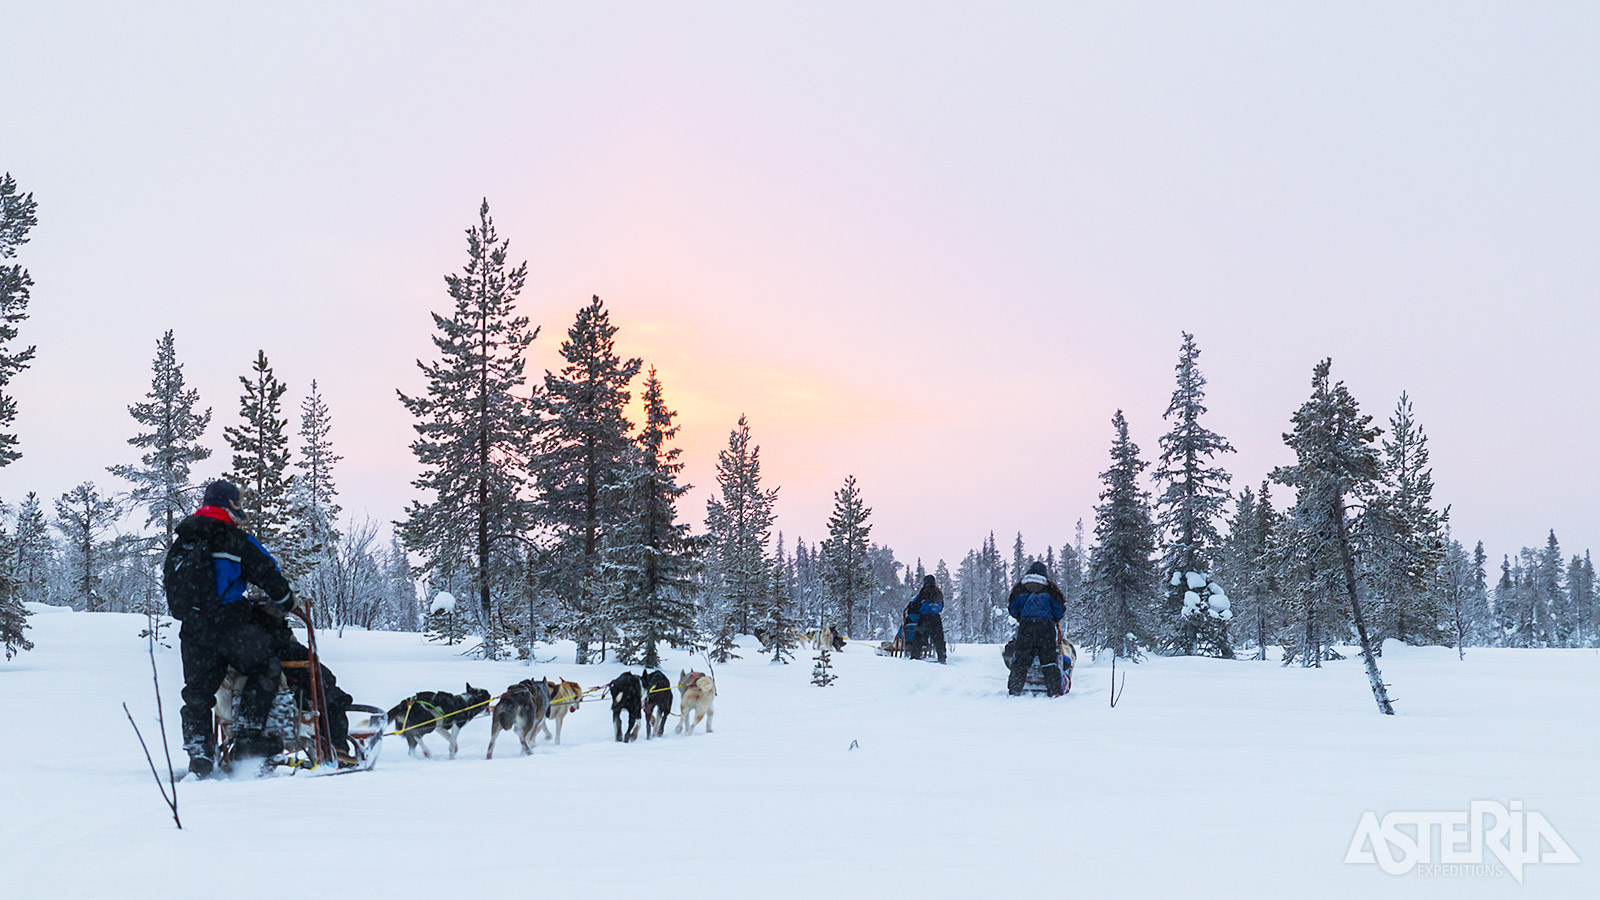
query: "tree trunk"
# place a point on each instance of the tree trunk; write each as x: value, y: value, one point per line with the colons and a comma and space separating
x: 1380, y: 693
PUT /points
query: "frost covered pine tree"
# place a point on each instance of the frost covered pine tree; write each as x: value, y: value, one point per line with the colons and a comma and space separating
x: 260, y: 446
x: 776, y: 618
x: 13, y: 615
x: 1122, y: 570
x: 1335, y: 462
x: 1186, y: 511
x: 171, y: 441
x: 1245, y: 563
x: 18, y: 215
x: 82, y: 516
x: 1581, y: 599
x: 32, y: 552
x: 584, y: 451
x: 651, y: 562
x: 1403, y: 535
x: 313, y: 497
x: 848, y: 573
x: 739, y: 523
x: 472, y: 424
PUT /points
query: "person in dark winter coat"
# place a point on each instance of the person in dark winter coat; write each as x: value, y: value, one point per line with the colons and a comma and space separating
x: 1037, y: 605
x: 221, y: 628
x: 930, y: 622
x: 908, y: 629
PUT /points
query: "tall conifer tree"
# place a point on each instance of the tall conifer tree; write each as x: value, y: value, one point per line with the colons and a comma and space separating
x: 1189, y: 505
x: 584, y: 452
x: 738, y: 525
x: 1336, y: 462
x: 651, y: 560
x: 260, y: 447
x: 82, y: 516
x: 18, y: 215
x: 849, y: 573
x: 472, y: 425
x: 1122, y: 569
x: 171, y: 441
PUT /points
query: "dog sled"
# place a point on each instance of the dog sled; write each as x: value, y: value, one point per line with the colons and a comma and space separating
x: 1034, y: 681
x: 300, y: 719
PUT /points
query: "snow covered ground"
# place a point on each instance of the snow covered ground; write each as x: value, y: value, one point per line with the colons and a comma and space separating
x: 1209, y: 779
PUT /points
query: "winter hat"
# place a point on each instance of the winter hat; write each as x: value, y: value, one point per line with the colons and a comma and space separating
x: 929, y: 581
x: 1036, y: 574
x: 224, y: 495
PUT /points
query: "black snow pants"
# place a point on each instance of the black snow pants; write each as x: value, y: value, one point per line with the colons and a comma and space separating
x: 286, y: 648
x: 930, y: 631
x: 209, y: 648
x: 1036, y: 639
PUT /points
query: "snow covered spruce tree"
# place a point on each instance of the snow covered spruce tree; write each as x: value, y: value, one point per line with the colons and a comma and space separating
x: 1336, y: 463
x: 260, y: 448
x: 849, y: 577
x: 1121, y: 590
x: 1246, y: 563
x: 13, y: 615
x: 650, y: 561
x: 31, y: 552
x: 18, y: 215
x: 583, y: 453
x: 1186, y: 511
x: 1581, y: 591
x: 1403, y: 536
x: 82, y: 516
x: 777, y: 618
x: 472, y: 425
x: 171, y: 443
x: 313, y: 498
x: 738, y: 529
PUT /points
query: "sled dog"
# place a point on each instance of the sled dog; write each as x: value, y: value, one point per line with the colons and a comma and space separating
x: 626, y: 694
x: 439, y: 711
x: 564, y: 698
x: 697, y: 690
x: 521, y: 711
x: 657, y: 702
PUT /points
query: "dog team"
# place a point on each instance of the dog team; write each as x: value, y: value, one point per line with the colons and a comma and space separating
x: 528, y: 707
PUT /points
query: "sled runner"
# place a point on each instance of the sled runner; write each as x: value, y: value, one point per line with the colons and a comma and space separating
x: 300, y: 720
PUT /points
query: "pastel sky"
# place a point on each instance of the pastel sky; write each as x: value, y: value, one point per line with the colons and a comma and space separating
x: 931, y: 245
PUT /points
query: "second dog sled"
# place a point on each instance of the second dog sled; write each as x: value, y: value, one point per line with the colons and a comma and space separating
x: 1034, y: 682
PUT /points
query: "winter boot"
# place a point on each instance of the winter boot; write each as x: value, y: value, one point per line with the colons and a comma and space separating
x: 201, y: 765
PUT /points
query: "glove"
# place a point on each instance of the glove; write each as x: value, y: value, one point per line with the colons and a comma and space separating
x: 285, y: 604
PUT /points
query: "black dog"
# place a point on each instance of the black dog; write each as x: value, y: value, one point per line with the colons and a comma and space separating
x: 446, y: 713
x: 657, y: 702
x: 625, y: 696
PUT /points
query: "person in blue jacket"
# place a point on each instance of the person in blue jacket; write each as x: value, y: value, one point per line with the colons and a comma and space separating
x: 211, y: 563
x: 930, y: 623
x: 1037, y: 605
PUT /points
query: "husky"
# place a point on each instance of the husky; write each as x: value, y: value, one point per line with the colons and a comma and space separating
x: 446, y: 713
x: 827, y: 637
x: 698, y: 691
x: 626, y: 693
x: 564, y: 699
x: 521, y: 710
x: 657, y: 702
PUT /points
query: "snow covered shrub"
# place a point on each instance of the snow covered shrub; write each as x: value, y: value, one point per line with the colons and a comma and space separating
x: 1207, y: 611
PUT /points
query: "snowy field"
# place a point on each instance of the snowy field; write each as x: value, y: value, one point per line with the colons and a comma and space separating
x: 1209, y: 779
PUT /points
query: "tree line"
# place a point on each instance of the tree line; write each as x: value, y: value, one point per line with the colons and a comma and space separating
x: 555, y: 517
